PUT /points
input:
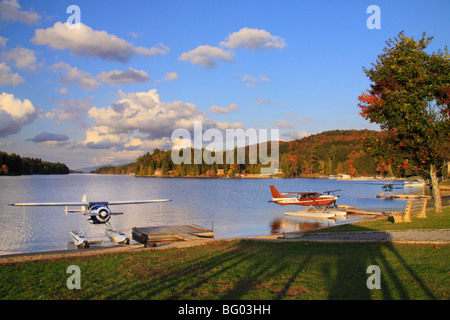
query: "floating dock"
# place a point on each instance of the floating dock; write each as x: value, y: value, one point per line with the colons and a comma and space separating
x: 316, y: 213
x: 403, y: 196
x: 159, y: 234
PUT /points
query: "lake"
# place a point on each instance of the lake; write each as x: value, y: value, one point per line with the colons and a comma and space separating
x: 236, y: 207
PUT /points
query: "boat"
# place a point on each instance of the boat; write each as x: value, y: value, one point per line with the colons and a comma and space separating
x: 414, y: 182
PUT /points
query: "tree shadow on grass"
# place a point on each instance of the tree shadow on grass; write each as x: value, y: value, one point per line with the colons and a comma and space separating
x: 248, y: 269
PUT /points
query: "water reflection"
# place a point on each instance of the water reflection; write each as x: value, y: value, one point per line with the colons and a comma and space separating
x: 281, y: 225
x: 286, y: 225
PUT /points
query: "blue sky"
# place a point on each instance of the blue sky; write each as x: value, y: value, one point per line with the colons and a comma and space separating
x: 137, y: 70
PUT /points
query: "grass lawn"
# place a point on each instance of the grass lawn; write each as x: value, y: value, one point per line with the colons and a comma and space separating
x: 240, y: 269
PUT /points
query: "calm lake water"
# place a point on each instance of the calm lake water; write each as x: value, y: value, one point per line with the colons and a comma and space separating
x: 237, y: 207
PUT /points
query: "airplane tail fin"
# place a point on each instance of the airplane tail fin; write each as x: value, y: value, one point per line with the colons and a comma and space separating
x: 276, y: 193
x: 84, y: 199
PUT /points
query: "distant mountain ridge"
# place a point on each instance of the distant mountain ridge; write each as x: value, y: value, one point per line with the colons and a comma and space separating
x: 326, y: 153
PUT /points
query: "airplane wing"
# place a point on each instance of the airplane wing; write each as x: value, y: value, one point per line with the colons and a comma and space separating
x: 330, y: 191
x: 65, y: 204
x: 84, y: 203
x: 301, y: 193
x: 137, y: 201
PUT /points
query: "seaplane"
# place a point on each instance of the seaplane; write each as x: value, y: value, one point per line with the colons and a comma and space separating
x: 318, y: 204
x: 325, y: 198
x: 97, y: 213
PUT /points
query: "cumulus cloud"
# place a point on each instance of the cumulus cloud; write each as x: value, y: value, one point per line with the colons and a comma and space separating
x: 139, y: 119
x: 294, y: 135
x: 14, y: 114
x: 70, y: 110
x: 171, y: 76
x: 88, y: 42
x: 232, y: 107
x: 10, y: 10
x: 123, y: 77
x: 251, y: 81
x: 47, y: 136
x: 8, y: 78
x: 206, y: 56
x: 283, y: 124
x: 254, y: 39
x: 75, y: 75
x: 263, y: 101
x: 24, y: 58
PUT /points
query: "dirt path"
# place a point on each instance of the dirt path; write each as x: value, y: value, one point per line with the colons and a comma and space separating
x: 408, y: 236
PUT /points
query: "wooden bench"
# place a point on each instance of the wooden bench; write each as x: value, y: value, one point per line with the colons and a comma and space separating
x: 413, y: 209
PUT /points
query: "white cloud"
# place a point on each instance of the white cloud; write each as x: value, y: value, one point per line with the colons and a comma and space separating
x: 294, y: 135
x: 14, y: 114
x: 88, y: 42
x: 254, y: 39
x: 10, y: 10
x: 71, y: 110
x: 304, y: 120
x: 73, y: 74
x: 206, y: 56
x: 123, y: 77
x: 140, y: 119
x: 263, y: 101
x: 283, y: 124
x: 232, y: 107
x: 251, y: 81
x: 8, y: 78
x: 171, y: 76
x: 23, y: 57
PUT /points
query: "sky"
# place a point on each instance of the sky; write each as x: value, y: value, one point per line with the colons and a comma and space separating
x: 107, y: 81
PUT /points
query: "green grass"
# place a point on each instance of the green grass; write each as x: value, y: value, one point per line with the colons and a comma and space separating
x: 240, y: 269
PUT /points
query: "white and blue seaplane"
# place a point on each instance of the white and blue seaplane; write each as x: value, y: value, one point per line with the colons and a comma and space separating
x: 97, y: 213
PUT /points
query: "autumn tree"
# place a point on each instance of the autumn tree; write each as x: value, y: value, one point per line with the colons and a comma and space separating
x: 409, y: 98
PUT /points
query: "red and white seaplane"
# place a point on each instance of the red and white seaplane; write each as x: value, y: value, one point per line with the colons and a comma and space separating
x: 97, y: 213
x: 304, y: 198
x: 318, y: 203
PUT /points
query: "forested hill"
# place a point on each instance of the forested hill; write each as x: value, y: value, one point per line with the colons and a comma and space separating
x: 332, y: 152
x: 326, y: 153
x: 13, y: 164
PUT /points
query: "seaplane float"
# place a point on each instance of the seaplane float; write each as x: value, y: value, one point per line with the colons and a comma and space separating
x: 319, y: 204
x: 97, y: 213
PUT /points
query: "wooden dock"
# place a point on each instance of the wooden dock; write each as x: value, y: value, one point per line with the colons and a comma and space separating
x: 357, y: 211
x: 403, y: 196
x: 159, y: 234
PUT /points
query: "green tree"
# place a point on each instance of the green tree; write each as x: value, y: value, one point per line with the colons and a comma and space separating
x: 409, y: 98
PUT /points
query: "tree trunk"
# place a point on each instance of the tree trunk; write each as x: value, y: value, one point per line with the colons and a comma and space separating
x: 436, y: 189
